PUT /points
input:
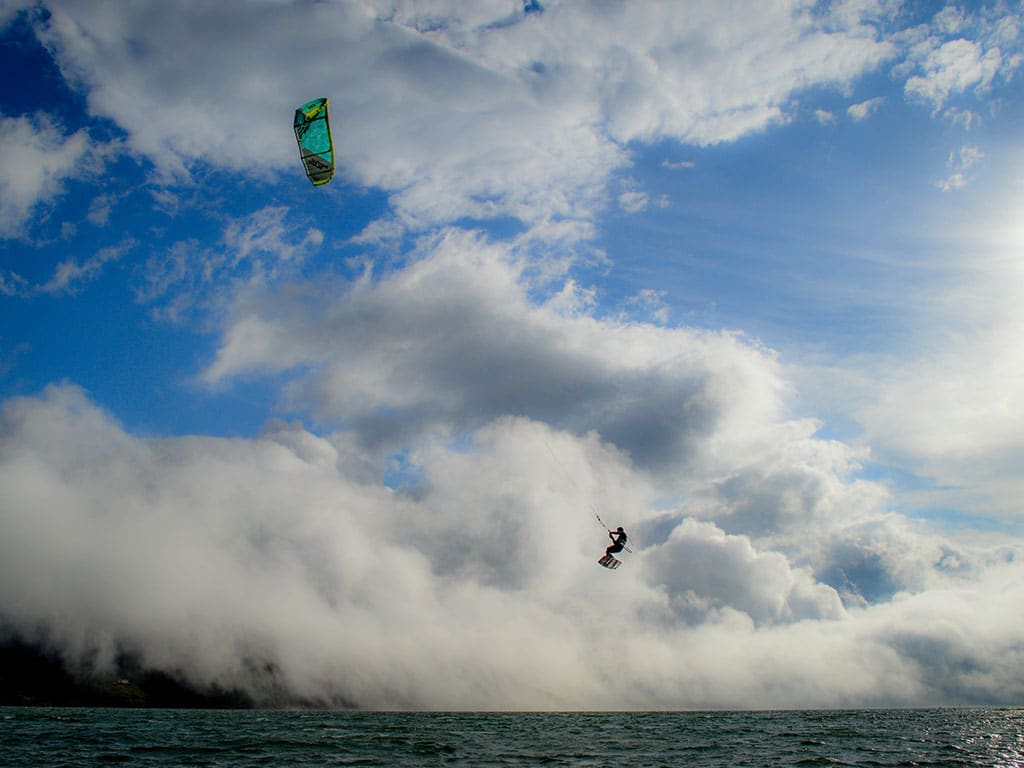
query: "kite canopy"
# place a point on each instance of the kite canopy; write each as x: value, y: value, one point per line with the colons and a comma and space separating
x: 313, y: 133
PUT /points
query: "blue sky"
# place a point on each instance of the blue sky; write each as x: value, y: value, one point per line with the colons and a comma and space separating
x: 747, y: 282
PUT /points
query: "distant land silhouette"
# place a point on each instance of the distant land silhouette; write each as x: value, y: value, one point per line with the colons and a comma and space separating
x: 32, y: 675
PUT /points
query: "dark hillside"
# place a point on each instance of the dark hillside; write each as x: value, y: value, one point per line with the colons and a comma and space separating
x: 32, y: 676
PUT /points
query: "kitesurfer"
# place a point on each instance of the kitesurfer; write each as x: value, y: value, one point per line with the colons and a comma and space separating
x: 618, y: 538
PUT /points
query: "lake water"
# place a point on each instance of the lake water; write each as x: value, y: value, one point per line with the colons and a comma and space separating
x: 80, y: 738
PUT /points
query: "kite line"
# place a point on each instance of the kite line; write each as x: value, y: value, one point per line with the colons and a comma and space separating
x: 593, y: 509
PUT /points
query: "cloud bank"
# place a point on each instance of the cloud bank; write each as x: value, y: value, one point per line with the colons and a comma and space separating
x: 429, y: 541
x: 765, y: 573
x: 274, y: 566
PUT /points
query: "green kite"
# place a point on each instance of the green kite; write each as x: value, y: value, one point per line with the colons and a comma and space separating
x: 313, y: 133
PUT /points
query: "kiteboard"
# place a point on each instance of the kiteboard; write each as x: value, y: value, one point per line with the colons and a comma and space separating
x: 609, y: 562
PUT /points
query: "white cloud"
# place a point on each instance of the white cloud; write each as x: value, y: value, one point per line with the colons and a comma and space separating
x: 861, y: 14
x: 467, y: 118
x: 379, y: 231
x: 12, y: 284
x: 959, y: 53
x: 974, y: 382
x: 952, y: 68
x: 256, y: 248
x: 633, y: 200
x: 100, y: 208
x: 949, y: 20
x: 959, y: 163
x: 962, y: 118
x: 952, y: 182
x: 455, y: 340
x: 70, y: 275
x: 865, y: 109
x: 36, y: 159
x: 278, y: 566
x: 9, y: 9
x: 948, y: 409
x: 703, y: 570
x: 452, y: 343
x: 966, y: 156
x: 769, y: 574
x: 824, y: 117
x: 651, y: 302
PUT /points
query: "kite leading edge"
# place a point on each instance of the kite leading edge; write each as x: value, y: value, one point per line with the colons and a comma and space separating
x: 313, y: 133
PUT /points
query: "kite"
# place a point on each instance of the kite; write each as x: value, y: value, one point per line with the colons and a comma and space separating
x: 313, y: 133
